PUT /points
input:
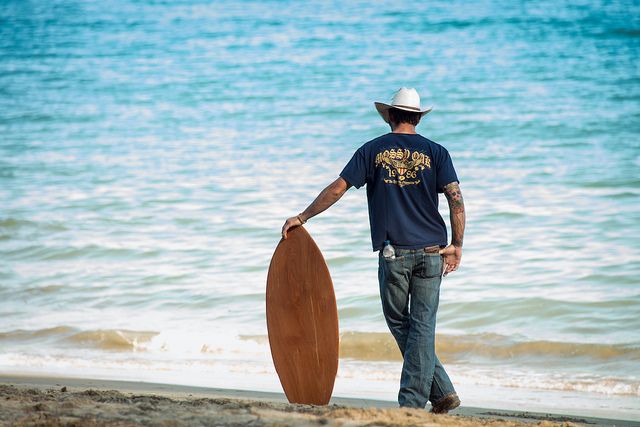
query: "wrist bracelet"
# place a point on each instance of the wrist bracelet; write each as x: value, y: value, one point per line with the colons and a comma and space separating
x: 300, y: 219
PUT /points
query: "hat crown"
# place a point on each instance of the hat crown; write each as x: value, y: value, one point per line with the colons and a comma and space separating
x: 406, y: 97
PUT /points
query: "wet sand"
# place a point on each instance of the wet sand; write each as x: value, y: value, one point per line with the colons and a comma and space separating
x: 51, y: 401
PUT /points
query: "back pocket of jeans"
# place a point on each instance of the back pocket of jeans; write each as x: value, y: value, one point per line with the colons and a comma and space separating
x: 431, y: 265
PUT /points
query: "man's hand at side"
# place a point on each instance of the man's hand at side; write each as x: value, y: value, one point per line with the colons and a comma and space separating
x: 325, y: 199
x: 452, y: 256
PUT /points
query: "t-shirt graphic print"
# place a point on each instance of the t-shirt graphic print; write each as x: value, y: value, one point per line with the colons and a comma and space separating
x: 402, y: 165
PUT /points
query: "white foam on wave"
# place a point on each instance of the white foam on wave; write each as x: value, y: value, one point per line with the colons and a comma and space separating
x: 179, y: 354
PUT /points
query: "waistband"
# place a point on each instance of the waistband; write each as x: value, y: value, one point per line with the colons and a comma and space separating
x: 429, y: 249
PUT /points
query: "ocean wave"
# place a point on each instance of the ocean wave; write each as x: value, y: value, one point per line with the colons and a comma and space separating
x: 363, y: 346
x: 102, y: 339
x: 523, y: 378
x: 44, y: 252
x: 382, y: 346
x: 541, y: 365
x: 113, y: 339
x: 23, y: 334
x: 16, y: 223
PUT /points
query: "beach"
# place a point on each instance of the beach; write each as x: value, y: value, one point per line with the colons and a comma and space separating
x: 56, y: 401
x: 150, y: 153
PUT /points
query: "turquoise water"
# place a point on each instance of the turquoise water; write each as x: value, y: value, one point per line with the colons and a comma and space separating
x: 150, y: 152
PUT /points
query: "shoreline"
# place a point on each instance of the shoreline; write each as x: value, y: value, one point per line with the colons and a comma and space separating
x: 51, y: 398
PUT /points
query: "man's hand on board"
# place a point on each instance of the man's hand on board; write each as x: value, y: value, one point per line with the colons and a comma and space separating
x: 290, y: 223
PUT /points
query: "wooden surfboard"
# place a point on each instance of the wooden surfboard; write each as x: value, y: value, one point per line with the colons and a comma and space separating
x: 302, y: 319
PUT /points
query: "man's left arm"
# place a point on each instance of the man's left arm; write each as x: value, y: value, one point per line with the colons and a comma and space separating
x: 453, y: 253
x: 327, y: 197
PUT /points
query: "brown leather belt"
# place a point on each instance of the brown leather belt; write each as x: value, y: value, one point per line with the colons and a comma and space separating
x: 432, y: 249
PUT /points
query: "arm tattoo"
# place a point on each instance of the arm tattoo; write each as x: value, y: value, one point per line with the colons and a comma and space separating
x: 454, y: 196
x: 456, y: 212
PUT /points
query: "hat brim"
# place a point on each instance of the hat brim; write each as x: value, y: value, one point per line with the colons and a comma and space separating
x: 383, y: 110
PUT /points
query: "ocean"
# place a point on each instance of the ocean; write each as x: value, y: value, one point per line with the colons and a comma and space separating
x: 150, y: 152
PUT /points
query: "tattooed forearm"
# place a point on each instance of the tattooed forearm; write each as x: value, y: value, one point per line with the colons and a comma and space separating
x: 454, y: 196
x: 456, y: 212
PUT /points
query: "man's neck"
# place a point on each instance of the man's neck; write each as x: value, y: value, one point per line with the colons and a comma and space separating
x: 404, y: 128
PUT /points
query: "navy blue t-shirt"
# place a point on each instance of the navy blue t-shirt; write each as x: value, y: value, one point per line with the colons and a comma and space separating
x: 404, y: 174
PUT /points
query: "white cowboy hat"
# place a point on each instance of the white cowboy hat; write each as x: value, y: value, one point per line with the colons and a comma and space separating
x: 404, y: 99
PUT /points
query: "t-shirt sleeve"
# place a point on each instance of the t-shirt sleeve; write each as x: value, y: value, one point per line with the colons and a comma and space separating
x: 446, y: 173
x: 355, y: 172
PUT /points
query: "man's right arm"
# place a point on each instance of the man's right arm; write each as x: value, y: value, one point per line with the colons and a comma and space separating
x: 453, y: 252
x: 327, y: 197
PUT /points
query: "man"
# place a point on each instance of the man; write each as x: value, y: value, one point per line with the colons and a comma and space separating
x: 404, y: 172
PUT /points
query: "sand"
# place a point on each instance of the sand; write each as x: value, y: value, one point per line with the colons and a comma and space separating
x: 40, y: 401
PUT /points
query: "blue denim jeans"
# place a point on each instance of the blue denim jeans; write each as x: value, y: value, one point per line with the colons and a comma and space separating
x: 410, y: 293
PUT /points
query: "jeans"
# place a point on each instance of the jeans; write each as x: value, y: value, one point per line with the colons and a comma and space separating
x: 412, y: 321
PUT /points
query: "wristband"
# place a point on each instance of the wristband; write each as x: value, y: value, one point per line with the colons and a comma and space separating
x: 300, y: 219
